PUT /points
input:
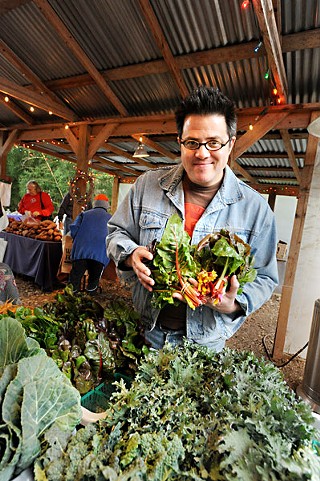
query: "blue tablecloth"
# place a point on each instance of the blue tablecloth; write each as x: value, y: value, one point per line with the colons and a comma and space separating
x: 34, y: 258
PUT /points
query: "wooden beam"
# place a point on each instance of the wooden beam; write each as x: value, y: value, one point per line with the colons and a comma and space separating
x: 163, y: 46
x: 153, y: 145
x: 115, y: 194
x: 101, y: 158
x: 32, y: 98
x: 51, y: 16
x: 309, y: 39
x: 100, y: 139
x: 7, y: 5
x: 8, y: 144
x: 72, y: 139
x: 28, y: 74
x: 17, y: 111
x: 294, y: 250
x: 264, y: 124
x: 271, y: 41
x: 288, y: 146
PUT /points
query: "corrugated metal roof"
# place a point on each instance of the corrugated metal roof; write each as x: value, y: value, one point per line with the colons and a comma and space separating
x: 115, y: 35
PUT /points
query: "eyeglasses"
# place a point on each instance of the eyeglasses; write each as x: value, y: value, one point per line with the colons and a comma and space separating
x: 191, y: 144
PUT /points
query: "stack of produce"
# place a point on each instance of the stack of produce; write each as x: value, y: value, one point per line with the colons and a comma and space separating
x: 34, y: 397
x: 211, y: 263
x: 89, y: 343
x: 44, y: 230
x: 192, y: 414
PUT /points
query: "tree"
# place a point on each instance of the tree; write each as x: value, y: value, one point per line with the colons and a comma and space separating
x: 53, y: 175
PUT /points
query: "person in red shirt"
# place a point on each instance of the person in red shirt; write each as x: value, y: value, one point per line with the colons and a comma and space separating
x: 35, y: 202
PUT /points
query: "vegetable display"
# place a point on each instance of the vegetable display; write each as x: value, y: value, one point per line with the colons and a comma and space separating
x: 211, y: 263
x: 34, y: 397
x: 192, y: 414
x: 42, y: 230
x: 89, y: 343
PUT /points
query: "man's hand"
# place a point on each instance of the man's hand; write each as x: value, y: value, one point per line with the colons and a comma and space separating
x: 136, y: 262
x: 228, y: 303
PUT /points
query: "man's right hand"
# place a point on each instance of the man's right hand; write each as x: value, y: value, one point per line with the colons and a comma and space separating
x: 136, y: 262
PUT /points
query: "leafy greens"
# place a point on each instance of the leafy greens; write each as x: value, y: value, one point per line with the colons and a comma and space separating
x: 212, y: 262
x: 34, y: 396
x: 194, y: 414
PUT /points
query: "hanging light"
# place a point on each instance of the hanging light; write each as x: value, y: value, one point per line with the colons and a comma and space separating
x: 140, y: 150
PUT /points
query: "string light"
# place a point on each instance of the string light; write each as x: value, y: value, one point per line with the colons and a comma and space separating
x: 245, y: 4
x: 250, y: 127
x: 6, y: 99
x: 31, y: 109
x: 50, y: 112
x: 257, y: 48
x: 274, y: 91
x: 66, y: 126
x: 267, y: 74
x: 81, y: 199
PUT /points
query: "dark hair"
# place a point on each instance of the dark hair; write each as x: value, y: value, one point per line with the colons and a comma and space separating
x: 206, y: 101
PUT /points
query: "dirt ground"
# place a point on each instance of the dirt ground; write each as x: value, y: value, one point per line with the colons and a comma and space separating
x: 258, y: 327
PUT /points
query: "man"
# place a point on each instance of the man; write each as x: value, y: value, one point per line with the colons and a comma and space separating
x: 207, y: 195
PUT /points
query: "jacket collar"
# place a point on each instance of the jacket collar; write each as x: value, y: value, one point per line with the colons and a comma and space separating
x: 229, y: 192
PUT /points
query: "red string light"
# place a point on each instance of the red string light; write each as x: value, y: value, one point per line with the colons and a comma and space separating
x: 245, y: 4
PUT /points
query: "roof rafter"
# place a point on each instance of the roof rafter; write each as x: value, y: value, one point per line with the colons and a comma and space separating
x: 35, y: 99
x: 292, y: 159
x: 268, y: 27
x: 17, y: 111
x: 14, y: 60
x: 163, y: 46
x: 290, y: 42
x: 73, y: 45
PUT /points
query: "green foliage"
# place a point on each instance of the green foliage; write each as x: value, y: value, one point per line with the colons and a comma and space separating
x: 194, y: 414
x: 34, y: 395
x: 52, y: 174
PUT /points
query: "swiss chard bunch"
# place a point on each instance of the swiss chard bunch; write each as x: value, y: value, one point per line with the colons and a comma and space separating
x: 224, y: 254
x: 211, y: 263
x: 173, y: 265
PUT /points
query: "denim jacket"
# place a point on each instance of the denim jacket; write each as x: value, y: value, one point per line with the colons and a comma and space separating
x: 142, y: 217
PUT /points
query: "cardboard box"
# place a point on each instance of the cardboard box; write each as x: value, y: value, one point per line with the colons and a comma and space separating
x: 282, y: 250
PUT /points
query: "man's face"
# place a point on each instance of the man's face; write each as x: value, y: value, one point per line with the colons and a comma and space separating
x: 202, y: 166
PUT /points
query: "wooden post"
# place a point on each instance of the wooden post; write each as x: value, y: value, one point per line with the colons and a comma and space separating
x: 115, y: 194
x: 294, y: 250
x: 82, y: 162
x: 272, y: 200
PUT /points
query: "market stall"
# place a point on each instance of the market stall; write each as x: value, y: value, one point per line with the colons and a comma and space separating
x: 35, y: 258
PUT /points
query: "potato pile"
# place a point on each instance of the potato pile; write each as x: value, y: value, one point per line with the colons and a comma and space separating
x: 44, y: 230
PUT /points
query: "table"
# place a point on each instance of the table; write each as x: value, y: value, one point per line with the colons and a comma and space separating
x: 34, y: 258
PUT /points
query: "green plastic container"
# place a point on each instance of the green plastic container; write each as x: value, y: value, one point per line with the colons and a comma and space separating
x: 98, y: 400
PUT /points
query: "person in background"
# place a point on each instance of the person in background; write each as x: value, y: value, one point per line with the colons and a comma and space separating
x: 8, y: 287
x: 66, y: 208
x: 35, y: 202
x: 207, y: 195
x: 89, y: 232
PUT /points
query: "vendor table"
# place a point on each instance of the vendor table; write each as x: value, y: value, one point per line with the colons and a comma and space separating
x: 34, y: 258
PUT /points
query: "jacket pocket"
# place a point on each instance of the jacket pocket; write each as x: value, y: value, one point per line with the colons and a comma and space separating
x: 152, y: 225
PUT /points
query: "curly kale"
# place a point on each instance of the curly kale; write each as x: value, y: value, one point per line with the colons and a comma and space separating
x: 193, y: 414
